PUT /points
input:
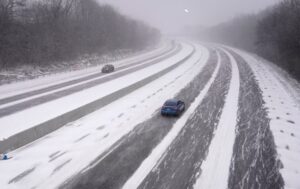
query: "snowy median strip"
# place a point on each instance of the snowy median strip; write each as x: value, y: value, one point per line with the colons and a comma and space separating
x: 215, y: 169
x: 149, y: 163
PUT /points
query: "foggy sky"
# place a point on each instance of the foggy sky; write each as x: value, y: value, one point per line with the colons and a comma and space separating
x: 170, y: 15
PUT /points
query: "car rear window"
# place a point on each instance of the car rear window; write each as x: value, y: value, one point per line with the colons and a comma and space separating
x: 171, y: 103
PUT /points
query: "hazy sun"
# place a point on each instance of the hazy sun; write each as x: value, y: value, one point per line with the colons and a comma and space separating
x: 186, y: 10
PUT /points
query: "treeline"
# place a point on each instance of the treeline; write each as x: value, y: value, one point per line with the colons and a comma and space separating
x: 273, y: 34
x: 239, y: 32
x: 42, y: 31
x: 278, y: 35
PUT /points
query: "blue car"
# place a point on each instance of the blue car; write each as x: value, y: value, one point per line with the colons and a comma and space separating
x: 172, y: 107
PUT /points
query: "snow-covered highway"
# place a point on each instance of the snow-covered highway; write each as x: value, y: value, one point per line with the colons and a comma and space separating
x: 239, y: 129
x: 73, y: 103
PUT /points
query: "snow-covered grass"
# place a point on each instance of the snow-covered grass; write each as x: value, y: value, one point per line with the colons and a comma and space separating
x: 51, y: 160
x: 158, y: 152
x: 215, y: 168
x: 281, y: 96
x: 24, y: 120
x: 54, y: 78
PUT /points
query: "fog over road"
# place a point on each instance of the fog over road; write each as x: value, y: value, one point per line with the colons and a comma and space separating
x: 106, y: 131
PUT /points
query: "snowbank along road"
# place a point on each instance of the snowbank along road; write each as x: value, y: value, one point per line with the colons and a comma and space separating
x: 240, y: 129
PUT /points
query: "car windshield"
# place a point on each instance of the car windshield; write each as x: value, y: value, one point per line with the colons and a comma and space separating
x: 171, y: 103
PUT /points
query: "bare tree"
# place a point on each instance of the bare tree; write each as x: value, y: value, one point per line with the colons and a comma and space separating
x: 279, y: 35
x: 53, y: 30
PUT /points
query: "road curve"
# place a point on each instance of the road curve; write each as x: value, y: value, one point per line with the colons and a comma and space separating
x: 157, y: 152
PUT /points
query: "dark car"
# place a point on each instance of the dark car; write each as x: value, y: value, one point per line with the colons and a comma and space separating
x: 108, y: 68
x: 172, y: 107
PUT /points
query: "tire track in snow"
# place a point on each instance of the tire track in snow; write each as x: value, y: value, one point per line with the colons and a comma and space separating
x: 254, y: 161
x: 81, y: 138
x: 56, y: 156
x: 180, y: 165
x: 115, y: 167
x: 61, y: 166
x: 21, y: 175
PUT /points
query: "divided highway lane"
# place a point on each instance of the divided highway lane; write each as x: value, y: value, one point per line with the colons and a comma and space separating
x: 32, y: 132
x: 37, y: 97
x: 115, y: 168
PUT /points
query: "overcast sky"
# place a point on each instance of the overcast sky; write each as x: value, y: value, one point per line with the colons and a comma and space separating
x: 174, y: 15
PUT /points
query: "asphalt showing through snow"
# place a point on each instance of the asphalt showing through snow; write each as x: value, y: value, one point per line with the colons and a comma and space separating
x: 119, y: 165
x: 254, y: 161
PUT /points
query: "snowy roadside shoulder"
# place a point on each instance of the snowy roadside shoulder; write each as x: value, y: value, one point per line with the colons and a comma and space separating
x: 291, y: 85
x: 281, y: 96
